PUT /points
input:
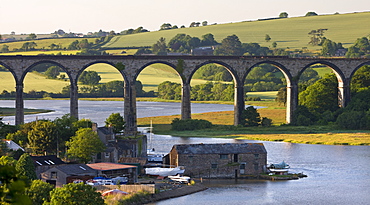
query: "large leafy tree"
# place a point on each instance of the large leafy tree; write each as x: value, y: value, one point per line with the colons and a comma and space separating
x: 26, y: 167
x: 359, y: 49
x: 52, y: 72
x: 230, y: 46
x: 328, y: 48
x: 12, y: 186
x: 283, y: 15
x: 250, y: 117
x: 321, y: 96
x: 39, y: 192
x: 116, y: 121
x: 169, y: 90
x: 89, y: 78
x: 361, y: 78
x: 160, y: 48
x: 42, y: 138
x: 208, y: 40
x: 71, y: 194
x: 84, y: 145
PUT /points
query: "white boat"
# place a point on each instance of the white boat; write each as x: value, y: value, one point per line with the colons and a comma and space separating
x: 181, y: 179
x: 159, y: 171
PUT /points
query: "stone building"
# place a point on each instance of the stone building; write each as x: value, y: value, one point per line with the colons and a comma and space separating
x: 230, y: 160
x: 119, y: 146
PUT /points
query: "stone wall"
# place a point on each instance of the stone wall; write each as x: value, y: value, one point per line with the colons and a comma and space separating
x: 215, y: 166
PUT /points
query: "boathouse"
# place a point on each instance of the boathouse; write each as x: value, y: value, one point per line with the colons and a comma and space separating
x: 229, y: 160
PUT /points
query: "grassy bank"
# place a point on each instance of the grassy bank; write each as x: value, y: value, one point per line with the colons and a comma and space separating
x: 11, y: 111
x: 328, y: 135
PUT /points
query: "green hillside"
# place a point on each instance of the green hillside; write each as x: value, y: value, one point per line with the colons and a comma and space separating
x: 44, y: 44
x: 288, y: 33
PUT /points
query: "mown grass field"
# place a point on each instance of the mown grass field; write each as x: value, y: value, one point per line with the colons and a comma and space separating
x: 289, y: 33
x: 29, y: 53
x: 44, y: 43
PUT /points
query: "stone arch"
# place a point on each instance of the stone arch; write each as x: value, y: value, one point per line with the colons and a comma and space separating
x: 225, y: 65
x: 42, y: 62
x: 279, y: 66
x: 343, y: 83
x: 292, y: 88
x: 358, y: 67
x: 137, y: 73
x: 98, y: 62
x: 238, y: 87
x: 340, y: 76
x: 10, y: 70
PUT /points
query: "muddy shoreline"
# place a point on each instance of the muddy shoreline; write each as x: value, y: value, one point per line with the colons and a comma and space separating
x: 177, y: 192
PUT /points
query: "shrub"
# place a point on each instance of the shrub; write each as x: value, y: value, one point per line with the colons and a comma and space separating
x: 353, y: 120
x: 190, y: 124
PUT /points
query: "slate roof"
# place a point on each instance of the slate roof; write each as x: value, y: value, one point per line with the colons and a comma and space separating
x: 76, y: 169
x: 105, y: 130
x: 226, y: 148
x: 46, y: 160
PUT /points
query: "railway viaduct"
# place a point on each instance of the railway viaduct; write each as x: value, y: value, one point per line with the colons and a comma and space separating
x: 185, y: 66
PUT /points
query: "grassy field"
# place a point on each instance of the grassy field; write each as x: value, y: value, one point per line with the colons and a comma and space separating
x: 287, y: 33
x: 31, y: 82
x: 295, y: 134
x: 45, y: 43
x: 28, y: 53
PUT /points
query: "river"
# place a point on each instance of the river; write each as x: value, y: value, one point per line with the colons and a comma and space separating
x: 98, y: 111
x: 336, y: 174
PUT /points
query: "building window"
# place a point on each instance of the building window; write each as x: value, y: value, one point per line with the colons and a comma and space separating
x: 235, y: 157
x: 53, y: 175
x: 214, y: 166
x: 256, y: 156
x: 224, y: 156
x: 107, y: 155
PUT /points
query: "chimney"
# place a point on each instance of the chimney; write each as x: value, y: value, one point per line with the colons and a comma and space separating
x: 94, y: 127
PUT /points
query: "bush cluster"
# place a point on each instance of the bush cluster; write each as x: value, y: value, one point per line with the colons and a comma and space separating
x: 190, y: 124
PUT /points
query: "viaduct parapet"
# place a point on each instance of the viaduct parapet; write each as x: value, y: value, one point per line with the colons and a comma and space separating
x: 185, y: 66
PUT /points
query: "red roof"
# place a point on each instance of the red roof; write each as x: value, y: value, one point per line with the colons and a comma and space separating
x: 104, y: 166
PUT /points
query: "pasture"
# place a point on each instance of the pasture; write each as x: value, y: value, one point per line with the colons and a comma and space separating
x: 45, y: 43
x: 291, y: 33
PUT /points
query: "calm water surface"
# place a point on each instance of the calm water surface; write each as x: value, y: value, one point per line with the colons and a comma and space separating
x: 336, y: 174
x: 98, y: 111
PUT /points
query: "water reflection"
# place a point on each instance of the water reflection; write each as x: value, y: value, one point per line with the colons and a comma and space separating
x: 336, y: 175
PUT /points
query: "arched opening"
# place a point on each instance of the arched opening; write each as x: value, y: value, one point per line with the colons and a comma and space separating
x: 213, y: 81
x: 100, y: 92
x: 7, y: 95
x: 161, y: 80
x: 321, y: 94
x: 45, y: 80
x: 356, y: 113
x: 263, y: 85
x: 360, y: 79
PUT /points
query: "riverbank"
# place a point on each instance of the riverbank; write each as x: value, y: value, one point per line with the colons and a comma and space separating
x: 180, y: 191
x: 5, y: 111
